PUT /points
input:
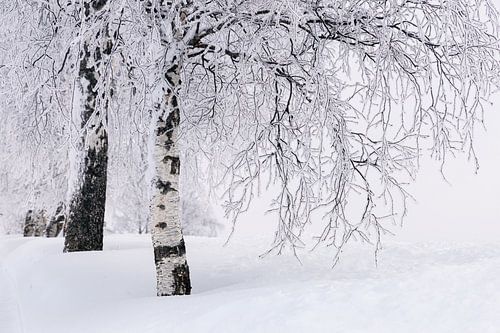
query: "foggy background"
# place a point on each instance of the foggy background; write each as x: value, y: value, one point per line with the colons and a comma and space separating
x: 468, y: 208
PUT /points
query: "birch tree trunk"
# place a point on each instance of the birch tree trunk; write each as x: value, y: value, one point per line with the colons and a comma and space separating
x: 172, y: 271
x: 85, y: 225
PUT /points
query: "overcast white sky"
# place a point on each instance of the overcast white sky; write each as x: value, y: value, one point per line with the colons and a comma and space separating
x: 467, y: 209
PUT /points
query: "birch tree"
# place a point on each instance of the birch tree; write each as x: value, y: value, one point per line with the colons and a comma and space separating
x: 328, y: 100
x: 35, y: 223
x: 84, y: 231
x: 168, y: 241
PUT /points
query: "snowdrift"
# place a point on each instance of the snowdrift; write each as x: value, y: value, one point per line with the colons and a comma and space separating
x: 414, y: 288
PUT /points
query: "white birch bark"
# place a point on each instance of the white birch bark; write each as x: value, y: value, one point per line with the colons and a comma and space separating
x: 172, y: 271
x: 168, y: 242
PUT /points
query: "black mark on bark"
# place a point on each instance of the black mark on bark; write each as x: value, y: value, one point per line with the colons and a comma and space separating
x: 165, y: 187
x: 169, y: 251
x: 175, y: 164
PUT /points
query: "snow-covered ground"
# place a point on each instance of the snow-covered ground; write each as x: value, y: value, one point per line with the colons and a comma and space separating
x: 416, y: 287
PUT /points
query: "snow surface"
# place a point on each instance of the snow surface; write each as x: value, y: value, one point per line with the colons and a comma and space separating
x: 416, y: 287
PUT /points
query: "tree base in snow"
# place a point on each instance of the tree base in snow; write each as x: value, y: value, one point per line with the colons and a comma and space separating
x: 182, y: 283
x: 85, y: 225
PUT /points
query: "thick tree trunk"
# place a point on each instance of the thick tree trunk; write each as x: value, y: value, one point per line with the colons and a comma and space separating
x: 172, y: 271
x: 57, y: 221
x: 84, y: 231
x: 85, y: 225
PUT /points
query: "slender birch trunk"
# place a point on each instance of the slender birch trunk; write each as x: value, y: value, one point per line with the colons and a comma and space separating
x: 85, y: 225
x: 172, y: 271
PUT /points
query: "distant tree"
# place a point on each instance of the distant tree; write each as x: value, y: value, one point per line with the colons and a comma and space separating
x: 29, y: 224
x: 35, y: 223
x: 57, y: 221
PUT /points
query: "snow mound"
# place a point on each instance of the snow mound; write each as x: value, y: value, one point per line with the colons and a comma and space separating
x: 414, y: 288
